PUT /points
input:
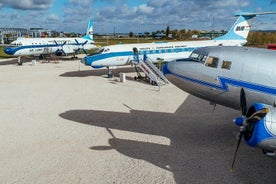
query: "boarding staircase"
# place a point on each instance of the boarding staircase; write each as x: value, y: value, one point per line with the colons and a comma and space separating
x: 152, y: 72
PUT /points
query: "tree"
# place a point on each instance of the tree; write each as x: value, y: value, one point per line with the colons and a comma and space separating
x: 153, y: 34
x: 130, y: 34
x: 175, y: 33
x: 167, y: 31
x: 147, y: 34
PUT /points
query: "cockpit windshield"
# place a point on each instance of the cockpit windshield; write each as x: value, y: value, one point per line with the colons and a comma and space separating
x: 99, y: 51
x: 15, y: 43
x: 198, y: 57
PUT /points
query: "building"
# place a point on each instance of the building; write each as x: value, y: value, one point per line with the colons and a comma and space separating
x: 40, y: 32
x: 8, y: 34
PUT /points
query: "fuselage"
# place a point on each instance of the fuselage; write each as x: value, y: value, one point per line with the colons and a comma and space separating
x: 40, y: 46
x: 217, y: 74
x: 117, y: 55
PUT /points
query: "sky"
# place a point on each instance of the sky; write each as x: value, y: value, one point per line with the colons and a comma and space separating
x: 124, y: 16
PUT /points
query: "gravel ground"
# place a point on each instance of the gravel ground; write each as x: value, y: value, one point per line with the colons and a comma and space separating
x: 60, y: 124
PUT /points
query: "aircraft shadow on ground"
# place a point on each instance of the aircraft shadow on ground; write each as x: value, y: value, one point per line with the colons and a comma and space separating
x: 201, y: 145
x: 14, y: 61
x: 98, y: 72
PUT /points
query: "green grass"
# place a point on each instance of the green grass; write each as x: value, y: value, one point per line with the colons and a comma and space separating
x: 3, y: 54
x: 114, y: 41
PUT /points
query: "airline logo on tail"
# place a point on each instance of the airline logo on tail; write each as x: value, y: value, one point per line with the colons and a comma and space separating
x: 241, y: 28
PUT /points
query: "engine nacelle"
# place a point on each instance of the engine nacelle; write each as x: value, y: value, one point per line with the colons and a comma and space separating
x: 58, y: 52
x: 262, y: 134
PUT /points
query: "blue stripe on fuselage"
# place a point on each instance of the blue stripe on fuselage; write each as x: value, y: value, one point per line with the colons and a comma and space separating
x: 17, y: 48
x: 101, y: 56
x: 224, y: 81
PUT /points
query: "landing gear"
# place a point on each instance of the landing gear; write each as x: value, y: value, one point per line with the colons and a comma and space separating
x: 110, y: 71
x: 19, y: 62
x: 41, y: 57
x: 75, y: 56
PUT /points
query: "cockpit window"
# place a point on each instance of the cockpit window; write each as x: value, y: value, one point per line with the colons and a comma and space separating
x: 98, y: 51
x: 198, y: 57
x: 17, y: 43
x: 212, y: 62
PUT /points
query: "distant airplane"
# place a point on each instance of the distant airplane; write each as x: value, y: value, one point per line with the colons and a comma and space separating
x: 58, y: 46
x: 123, y: 54
x: 235, y: 77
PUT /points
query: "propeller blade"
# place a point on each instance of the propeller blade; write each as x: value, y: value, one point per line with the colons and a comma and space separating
x: 84, y: 43
x: 63, y: 52
x: 56, y: 42
x: 238, y: 145
x: 258, y: 115
x: 84, y: 51
x: 243, y: 102
x: 77, y: 42
x: 63, y: 43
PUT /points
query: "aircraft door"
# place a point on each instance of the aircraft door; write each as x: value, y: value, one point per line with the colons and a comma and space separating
x: 135, y: 54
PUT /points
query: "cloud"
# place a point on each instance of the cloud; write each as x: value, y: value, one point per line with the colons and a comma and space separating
x: 152, y: 15
x: 53, y: 18
x: 156, y: 14
x: 27, y: 4
x: 144, y: 9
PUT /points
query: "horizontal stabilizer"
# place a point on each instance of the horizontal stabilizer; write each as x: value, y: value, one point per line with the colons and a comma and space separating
x: 253, y: 14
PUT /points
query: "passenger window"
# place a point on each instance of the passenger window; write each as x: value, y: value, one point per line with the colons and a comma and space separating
x: 226, y: 65
x: 212, y: 62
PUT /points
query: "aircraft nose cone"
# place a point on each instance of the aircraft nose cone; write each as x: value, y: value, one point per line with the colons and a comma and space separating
x: 9, y: 51
x: 83, y: 60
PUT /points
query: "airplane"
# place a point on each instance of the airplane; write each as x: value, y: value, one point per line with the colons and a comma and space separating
x: 58, y: 46
x: 123, y: 54
x: 235, y: 77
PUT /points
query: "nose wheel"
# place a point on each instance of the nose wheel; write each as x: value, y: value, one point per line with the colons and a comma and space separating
x: 19, y: 62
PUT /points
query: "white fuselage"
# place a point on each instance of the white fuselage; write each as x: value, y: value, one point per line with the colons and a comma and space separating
x: 117, y: 55
x: 40, y: 46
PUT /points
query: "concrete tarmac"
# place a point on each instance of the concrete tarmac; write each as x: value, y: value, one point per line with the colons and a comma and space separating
x: 66, y: 123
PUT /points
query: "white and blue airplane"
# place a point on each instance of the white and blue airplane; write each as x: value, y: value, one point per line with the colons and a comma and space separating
x: 235, y: 77
x: 123, y: 54
x: 58, y: 46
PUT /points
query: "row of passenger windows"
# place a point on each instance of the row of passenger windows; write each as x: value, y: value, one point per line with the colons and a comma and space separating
x: 50, y: 42
x: 165, y: 51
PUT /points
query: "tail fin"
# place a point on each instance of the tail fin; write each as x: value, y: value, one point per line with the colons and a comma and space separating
x: 241, y: 28
x: 89, y: 31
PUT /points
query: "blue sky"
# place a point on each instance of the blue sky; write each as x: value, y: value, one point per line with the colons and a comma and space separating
x: 130, y: 15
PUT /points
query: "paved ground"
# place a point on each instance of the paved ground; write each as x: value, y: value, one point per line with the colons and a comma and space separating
x: 61, y: 125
